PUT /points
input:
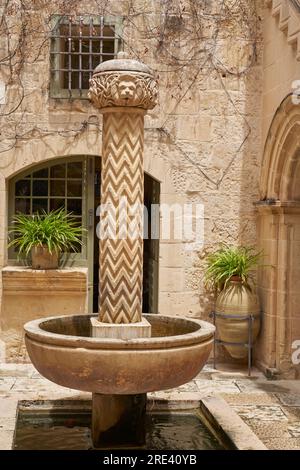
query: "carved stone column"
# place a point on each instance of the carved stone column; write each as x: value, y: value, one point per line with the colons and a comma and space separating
x: 123, y: 90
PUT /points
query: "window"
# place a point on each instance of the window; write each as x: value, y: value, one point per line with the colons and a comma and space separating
x: 61, y: 184
x: 77, y: 47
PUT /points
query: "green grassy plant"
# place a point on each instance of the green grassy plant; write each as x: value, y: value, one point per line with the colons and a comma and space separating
x: 57, y: 230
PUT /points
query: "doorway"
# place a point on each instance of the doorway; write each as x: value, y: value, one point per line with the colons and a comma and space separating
x: 151, y: 243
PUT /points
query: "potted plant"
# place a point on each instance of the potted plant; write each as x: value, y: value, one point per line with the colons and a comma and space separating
x: 229, y: 271
x: 44, y: 236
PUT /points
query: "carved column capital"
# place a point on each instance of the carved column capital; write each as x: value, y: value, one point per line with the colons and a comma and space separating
x: 123, y: 83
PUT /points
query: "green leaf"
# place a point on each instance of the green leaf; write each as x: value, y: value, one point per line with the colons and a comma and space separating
x: 228, y: 261
x: 58, y: 230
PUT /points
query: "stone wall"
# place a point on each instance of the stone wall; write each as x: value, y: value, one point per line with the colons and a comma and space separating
x: 203, y: 142
x: 281, y: 64
x: 278, y: 212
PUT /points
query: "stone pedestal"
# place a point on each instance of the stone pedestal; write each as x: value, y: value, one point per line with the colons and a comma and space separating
x: 126, y: 331
x: 118, y: 421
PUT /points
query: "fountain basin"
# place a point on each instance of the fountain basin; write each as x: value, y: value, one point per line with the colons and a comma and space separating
x: 63, y: 350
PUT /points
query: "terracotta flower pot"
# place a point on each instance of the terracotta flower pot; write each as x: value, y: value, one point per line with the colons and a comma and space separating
x: 41, y: 258
x: 237, y: 299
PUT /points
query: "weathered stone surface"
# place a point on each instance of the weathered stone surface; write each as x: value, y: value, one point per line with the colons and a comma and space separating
x: 220, y: 109
x: 218, y: 413
x: 123, y: 89
x: 174, y: 354
x: 210, y: 387
x: 119, y: 420
x: 6, y: 439
x: 294, y: 430
x: 126, y: 331
x: 267, y: 430
x: 261, y: 412
x: 281, y: 443
x: 249, y: 398
x: 29, y: 294
x: 289, y: 399
x: 16, y: 370
x: 274, y: 434
x: 6, y: 384
x: 193, y: 145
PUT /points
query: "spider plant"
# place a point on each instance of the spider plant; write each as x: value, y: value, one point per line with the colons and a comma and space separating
x: 227, y: 262
x: 57, y: 230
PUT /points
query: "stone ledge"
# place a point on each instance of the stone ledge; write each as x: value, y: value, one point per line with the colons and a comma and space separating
x: 223, y: 421
x: 18, y: 280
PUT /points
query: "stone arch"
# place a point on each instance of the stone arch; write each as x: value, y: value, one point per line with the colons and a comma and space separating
x: 280, y: 161
x: 279, y: 238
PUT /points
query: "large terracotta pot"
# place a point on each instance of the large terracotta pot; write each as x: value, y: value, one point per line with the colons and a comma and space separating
x: 238, y: 300
x: 41, y: 258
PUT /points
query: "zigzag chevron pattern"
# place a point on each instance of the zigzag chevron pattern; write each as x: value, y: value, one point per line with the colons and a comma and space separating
x: 121, y: 259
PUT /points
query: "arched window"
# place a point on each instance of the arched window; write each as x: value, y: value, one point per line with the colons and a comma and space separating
x: 50, y: 186
x: 74, y: 183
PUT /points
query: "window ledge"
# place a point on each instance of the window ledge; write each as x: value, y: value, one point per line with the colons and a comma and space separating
x: 20, y: 280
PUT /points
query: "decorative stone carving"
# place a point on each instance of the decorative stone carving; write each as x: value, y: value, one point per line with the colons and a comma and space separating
x: 115, y: 86
x: 121, y: 259
x: 123, y: 89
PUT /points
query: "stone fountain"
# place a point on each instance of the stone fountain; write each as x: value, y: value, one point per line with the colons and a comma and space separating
x: 120, y: 354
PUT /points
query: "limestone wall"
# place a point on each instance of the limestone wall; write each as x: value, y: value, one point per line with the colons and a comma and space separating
x: 203, y: 142
x: 281, y: 65
x: 278, y: 213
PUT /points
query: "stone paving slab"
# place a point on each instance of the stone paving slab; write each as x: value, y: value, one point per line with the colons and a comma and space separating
x: 283, y: 443
x: 7, y: 424
x: 23, y: 385
x: 267, y: 430
x: 294, y: 430
x: 17, y: 370
x: 237, y: 374
x: 6, y: 439
x: 8, y: 408
x: 6, y: 384
x: 261, y: 412
x: 261, y: 386
x: 189, y: 387
x: 262, y: 398
x: 211, y: 387
x: 174, y: 395
x: 289, y: 399
x: 293, y: 413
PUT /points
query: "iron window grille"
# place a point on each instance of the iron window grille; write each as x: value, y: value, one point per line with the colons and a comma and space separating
x: 78, y: 45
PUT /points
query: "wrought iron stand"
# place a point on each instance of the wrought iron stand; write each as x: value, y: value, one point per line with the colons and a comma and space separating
x: 248, y: 345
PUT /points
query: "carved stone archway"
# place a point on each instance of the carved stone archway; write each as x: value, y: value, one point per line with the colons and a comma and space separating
x: 279, y: 238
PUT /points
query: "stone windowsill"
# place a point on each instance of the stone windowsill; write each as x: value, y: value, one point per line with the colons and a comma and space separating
x: 22, y: 280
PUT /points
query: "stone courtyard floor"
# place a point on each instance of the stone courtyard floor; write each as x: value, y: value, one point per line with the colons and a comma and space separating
x: 270, y: 408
